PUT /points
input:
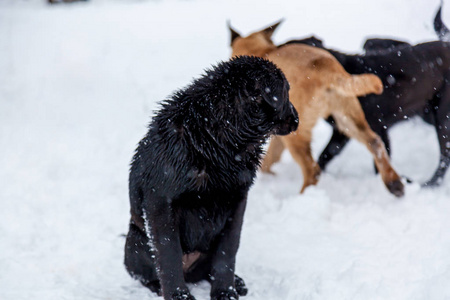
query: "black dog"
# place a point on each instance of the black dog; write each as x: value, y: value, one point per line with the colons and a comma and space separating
x: 191, y: 174
x: 417, y: 83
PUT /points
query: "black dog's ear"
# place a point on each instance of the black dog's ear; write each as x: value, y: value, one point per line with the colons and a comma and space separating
x: 234, y: 34
x: 269, y: 30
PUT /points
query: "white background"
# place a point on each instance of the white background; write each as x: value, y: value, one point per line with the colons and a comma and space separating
x: 78, y: 86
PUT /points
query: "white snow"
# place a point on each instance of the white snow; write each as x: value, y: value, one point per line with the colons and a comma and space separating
x: 78, y: 85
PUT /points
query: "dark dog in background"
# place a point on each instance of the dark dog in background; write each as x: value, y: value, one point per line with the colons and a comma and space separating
x: 416, y: 82
x: 191, y: 173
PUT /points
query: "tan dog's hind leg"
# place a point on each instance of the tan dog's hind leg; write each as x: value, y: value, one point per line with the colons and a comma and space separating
x: 351, y: 121
x: 273, y: 154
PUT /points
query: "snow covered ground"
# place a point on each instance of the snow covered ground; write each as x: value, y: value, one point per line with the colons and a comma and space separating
x: 78, y: 85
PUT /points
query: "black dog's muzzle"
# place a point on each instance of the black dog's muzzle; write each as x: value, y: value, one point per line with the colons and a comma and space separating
x: 288, y: 123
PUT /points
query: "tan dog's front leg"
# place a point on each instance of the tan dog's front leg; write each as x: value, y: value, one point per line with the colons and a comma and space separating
x: 273, y: 154
x: 300, y: 149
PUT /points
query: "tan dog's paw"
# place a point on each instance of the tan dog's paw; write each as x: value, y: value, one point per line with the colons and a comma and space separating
x: 396, y: 188
x: 313, y: 179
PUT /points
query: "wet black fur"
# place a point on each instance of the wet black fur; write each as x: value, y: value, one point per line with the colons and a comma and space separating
x: 416, y: 83
x: 191, y: 173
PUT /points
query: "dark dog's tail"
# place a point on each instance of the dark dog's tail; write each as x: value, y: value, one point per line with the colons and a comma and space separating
x: 441, y: 30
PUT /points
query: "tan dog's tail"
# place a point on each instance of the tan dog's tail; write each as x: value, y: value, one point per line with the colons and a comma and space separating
x: 361, y: 85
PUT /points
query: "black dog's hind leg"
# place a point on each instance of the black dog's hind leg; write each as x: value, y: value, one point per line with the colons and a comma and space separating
x: 382, y: 132
x: 334, y: 147
x: 441, y: 113
x: 224, y: 257
x: 438, y: 175
x: 140, y: 259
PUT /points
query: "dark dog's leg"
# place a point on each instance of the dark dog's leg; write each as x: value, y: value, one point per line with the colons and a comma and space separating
x: 387, y: 143
x: 201, y: 270
x: 334, y: 147
x: 385, y: 138
x: 224, y: 257
x: 139, y: 259
x: 442, y: 123
x: 438, y: 175
x: 165, y: 238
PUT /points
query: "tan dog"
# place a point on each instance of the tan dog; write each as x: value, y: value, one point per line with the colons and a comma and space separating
x: 320, y: 87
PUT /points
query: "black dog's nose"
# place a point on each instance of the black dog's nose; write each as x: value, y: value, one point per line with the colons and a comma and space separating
x: 289, y: 123
x: 294, y: 118
x: 294, y: 112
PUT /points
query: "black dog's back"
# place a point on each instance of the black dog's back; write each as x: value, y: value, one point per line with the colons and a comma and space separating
x: 376, y: 45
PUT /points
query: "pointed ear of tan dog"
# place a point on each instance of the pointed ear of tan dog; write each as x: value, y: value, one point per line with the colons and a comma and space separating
x: 268, y: 32
x: 233, y: 32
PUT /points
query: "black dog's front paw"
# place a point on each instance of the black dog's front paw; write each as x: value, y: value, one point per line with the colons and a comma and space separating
x: 154, y: 286
x: 241, y: 288
x: 231, y: 294
x: 182, y: 295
